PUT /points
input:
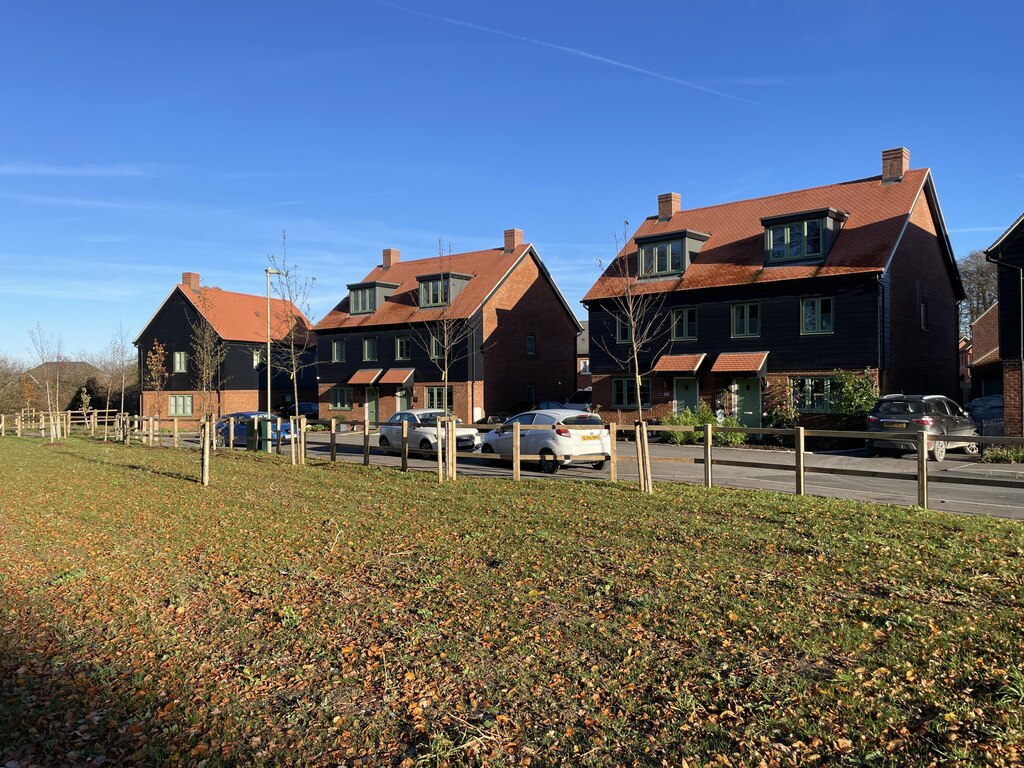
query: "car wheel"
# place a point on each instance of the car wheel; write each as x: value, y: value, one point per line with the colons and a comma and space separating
x: 598, y: 465
x: 971, y: 449
x: 869, y: 448
x: 548, y: 462
x: 938, y: 451
x: 385, y: 445
x: 488, y: 454
x: 425, y: 450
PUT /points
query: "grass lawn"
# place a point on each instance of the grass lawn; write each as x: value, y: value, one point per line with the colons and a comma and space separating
x: 341, y: 615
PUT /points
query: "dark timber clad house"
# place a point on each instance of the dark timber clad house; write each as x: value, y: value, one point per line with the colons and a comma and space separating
x: 240, y: 321
x: 1007, y: 253
x: 764, y: 296
x: 380, y: 351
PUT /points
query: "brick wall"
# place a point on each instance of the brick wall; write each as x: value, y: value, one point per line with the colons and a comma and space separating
x: 227, y: 401
x: 923, y: 362
x: 1011, y: 398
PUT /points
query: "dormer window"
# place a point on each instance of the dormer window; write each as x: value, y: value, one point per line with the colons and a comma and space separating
x: 363, y: 301
x: 669, y: 255
x: 807, y: 236
x: 434, y: 292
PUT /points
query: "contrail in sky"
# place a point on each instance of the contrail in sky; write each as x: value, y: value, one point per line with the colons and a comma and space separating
x: 573, y: 51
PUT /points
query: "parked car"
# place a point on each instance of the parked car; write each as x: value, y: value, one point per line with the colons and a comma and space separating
x: 423, y: 432
x: 557, y: 447
x: 987, y: 408
x: 309, y: 410
x: 581, y: 400
x: 547, y: 405
x: 242, y: 419
x: 900, y: 417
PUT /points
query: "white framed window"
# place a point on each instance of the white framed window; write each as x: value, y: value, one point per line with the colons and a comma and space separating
x: 341, y: 398
x: 180, y: 362
x: 684, y: 324
x: 624, y: 393
x: 661, y: 258
x: 623, y: 329
x: 440, y: 398
x: 257, y: 358
x: 436, y: 348
x: 179, y: 405
x: 403, y: 350
x: 337, y: 350
x: 795, y: 240
x: 816, y: 315
x: 363, y: 301
x: 746, y: 320
x: 369, y: 348
x: 924, y: 315
x: 812, y: 394
x: 434, y: 293
x: 585, y: 366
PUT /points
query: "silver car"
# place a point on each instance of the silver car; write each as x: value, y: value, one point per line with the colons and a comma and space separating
x: 556, y: 444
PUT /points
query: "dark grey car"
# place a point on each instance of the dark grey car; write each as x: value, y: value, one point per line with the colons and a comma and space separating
x: 901, y: 417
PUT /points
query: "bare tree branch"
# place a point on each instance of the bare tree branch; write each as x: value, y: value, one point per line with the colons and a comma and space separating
x: 293, y: 336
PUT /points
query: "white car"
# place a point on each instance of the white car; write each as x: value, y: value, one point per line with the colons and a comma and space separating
x: 557, y: 444
x: 423, y: 432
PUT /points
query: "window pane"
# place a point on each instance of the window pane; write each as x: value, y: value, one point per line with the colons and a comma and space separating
x: 796, y: 239
x: 825, y: 315
x: 778, y: 236
x: 677, y: 256
x: 810, y: 316
x: 814, y: 237
x: 691, y: 323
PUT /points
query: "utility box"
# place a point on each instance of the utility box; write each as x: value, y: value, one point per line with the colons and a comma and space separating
x: 252, y: 438
x: 265, y: 428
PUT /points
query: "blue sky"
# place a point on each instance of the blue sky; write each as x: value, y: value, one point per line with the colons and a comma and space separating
x: 138, y: 140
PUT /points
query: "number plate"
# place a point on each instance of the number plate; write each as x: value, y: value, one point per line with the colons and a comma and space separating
x: 894, y: 424
x: 588, y: 437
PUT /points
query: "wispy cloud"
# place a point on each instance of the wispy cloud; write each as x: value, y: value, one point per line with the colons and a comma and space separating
x: 122, y: 170
x: 75, y: 202
x: 976, y: 229
x: 573, y: 52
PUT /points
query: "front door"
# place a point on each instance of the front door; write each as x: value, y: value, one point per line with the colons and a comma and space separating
x: 371, y: 405
x: 748, y: 402
x: 686, y: 395
x: 401, y: 399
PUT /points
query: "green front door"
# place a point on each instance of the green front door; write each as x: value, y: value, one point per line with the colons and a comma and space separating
x: 748, y: 402
x: 686, y: 395
x: 371, y: 405
x: 401, y: 399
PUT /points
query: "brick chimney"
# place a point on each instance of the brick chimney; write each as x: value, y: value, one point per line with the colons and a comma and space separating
x: 190, y: 279
x: 390, y: 258
x: 668, y: 204
x: 513, y: 239
x: 895, y: 163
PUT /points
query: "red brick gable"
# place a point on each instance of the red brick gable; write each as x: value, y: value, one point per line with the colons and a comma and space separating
x: 734, y: 254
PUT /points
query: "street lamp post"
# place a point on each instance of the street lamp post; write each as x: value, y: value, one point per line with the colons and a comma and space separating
x: 268, y: 271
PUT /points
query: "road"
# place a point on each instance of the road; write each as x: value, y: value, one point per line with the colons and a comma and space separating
x: 977, y: 488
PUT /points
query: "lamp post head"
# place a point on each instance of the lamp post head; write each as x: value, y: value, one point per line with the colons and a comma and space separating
x: 270, y: 271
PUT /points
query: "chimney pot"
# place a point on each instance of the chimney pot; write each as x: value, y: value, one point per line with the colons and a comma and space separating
x: 191, y: 280
x: 513, y: 239
x: 895, y: 163
x: 390, y: 258
x: 668, y: 205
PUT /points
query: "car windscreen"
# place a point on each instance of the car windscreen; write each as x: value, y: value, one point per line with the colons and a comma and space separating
x: 901, y: 407
x: 587, y: 419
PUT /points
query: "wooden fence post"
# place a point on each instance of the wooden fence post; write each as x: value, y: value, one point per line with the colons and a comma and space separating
x: 174, y: 432
x: 17, y: 425
x: 302, y: 439
x: 453, y: 445
x: 334, y: 439
x: 516, y: 469
x: 366, y: 442
x: 269, y: 448
x: 3, y: 425
x: 439, y: 438
x: 293, y: 448
x: 613, y: 451
x: 204, y: 450
x: 707, y: 455
x: 922, y: 462
x: 405, y: 446
x: 799, y: 440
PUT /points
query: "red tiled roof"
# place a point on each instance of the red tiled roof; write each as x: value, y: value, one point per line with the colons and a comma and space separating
x: 365, y: 376
x: 243, y: 316
x: 734, y: 254
x: 397, y: 376
x: 740, y: 362
x: 679, y: 363
x: 487, y: 269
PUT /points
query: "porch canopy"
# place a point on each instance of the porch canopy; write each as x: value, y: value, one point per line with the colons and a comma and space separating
x: 366, y: 376
x: 679, y: 363
x: 397, y: 376
x: 741, y: 362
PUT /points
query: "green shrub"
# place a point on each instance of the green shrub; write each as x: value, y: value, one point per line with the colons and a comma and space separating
x: 853, y: 397
x: 703, y: 415
x: 1009, y: 455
